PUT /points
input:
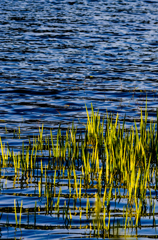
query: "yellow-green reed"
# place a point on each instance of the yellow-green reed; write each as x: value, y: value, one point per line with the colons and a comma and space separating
x: 106, y: 157
x: 20, y: 213
x: 16, y: 219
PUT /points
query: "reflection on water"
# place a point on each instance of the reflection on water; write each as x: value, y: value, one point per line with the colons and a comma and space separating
x: 57, y: 56
x: 91, y: 184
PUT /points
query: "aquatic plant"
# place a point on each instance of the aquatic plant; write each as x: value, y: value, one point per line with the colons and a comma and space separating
x: 102, y: 165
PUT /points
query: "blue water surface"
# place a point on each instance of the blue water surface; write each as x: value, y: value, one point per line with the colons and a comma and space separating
x: 56, y: 56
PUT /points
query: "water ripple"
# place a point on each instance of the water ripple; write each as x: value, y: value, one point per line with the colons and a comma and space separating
x: 71, y: 53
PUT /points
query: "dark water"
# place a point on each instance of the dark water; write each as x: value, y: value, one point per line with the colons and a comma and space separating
x: 57, y: 56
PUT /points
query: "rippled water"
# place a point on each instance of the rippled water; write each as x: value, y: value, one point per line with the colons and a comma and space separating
x: 58, y: 55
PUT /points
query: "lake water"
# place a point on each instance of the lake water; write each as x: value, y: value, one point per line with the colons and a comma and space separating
x: 56, y: 56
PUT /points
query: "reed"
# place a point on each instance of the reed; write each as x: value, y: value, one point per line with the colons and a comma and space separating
x: 106, y: 157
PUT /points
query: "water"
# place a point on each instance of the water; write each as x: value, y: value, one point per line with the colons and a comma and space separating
x: 57, y: 56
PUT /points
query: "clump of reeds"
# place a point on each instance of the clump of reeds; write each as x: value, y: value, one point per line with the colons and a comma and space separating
x: 107, y: 157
